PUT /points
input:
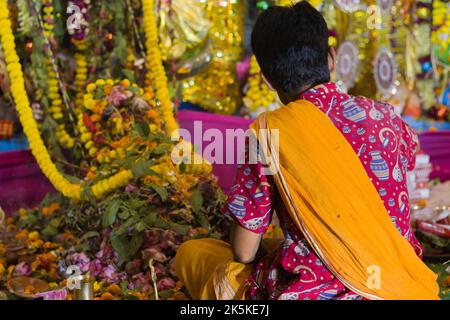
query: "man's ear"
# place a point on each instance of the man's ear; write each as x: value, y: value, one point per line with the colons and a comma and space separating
x: 332, y: 59
x: 267, y: 82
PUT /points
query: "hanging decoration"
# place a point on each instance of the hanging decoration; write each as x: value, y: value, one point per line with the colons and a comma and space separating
x: 385, y: 71
x: 348, y: 5
x: 183, y: 28
x: 347, y: 62
x: 216, y: 89
x: 78, y: 30
x: 385, y: 6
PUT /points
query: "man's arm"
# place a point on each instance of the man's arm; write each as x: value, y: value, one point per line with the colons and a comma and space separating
x: 245, y: 244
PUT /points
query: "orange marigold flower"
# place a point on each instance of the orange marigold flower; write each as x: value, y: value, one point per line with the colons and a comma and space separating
x: 95, y: 117
x: 114, y: 289
x: 90, y: 175
x: 152, y: 113
x: 30, y: 289
x: 107, y: 296
x: 108, y: 89
x: 46, y: 211
x: 54, y: 206
x: 21, y: 235
x: 37, y: 243
x: 50, y: 245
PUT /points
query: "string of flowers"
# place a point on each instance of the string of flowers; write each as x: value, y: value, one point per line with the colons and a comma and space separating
x: 159, y: 79
x: 56, y: 100
x: 40, y: 152
x: 156, y: 69
x: 441, y: 24
x: 78, y: 32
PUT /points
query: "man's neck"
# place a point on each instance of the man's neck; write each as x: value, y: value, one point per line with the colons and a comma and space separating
x: 287, y: 98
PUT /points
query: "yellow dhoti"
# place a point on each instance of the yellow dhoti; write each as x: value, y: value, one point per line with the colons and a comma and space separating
x: 207, y: 269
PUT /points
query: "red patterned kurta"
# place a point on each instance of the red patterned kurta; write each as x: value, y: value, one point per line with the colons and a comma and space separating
x: 386, y: 147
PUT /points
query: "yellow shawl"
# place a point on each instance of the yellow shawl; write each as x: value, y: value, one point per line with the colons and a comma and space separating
x: 333, y: 202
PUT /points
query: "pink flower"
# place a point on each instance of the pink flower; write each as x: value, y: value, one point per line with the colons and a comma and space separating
x: 131, y: 187
x: 111, y: 275
x: 80, y: 259
x: 116, y: 97
x: 140, y: 281
x: 95, y: 267
x: 22, y: 269
x: 165, y: 284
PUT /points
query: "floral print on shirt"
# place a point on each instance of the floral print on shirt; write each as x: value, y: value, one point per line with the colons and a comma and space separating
x: 386, y: 146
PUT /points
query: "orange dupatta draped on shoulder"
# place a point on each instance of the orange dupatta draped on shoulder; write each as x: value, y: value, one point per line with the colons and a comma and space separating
x: 332, y: 201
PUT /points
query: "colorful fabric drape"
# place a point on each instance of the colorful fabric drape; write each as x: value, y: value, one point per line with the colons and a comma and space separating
x: 207, y: 269
x: 351, y: 234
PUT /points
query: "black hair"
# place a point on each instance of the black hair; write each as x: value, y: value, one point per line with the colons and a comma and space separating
x: 291, y: 47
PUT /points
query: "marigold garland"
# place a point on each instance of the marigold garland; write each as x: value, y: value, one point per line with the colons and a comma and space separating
x: 440, y: 33
x: 54, y: 95
x: 40, y: 152
x: 78, y: 36
x: 159, y: 79
x: 156, y: 69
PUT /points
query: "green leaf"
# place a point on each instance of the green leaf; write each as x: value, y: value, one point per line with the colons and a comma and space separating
x: 129, y: 74
x: 162, y: 192
x: 119, y: 244
x: 142, y: 128
x: 125, y: 225
x: 99, y: 93
x: 88, y: 235
x: 134, y: 244
x: 126, y: 248
x: 123, y: 215
x: 150, y: 219
x: 140, y: 226
x: 196, y: 200
x: 130, y: 297
x: 180, y: 228
x: 141, y: 167
x: 50, y: 231
x: 109, y: 216
x: 161, y: 149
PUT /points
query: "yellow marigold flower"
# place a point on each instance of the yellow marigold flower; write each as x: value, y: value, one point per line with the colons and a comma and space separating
x: 34, y: 235
x: 97, y: 286
x: 125, y: 83
x: 100, y: 82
